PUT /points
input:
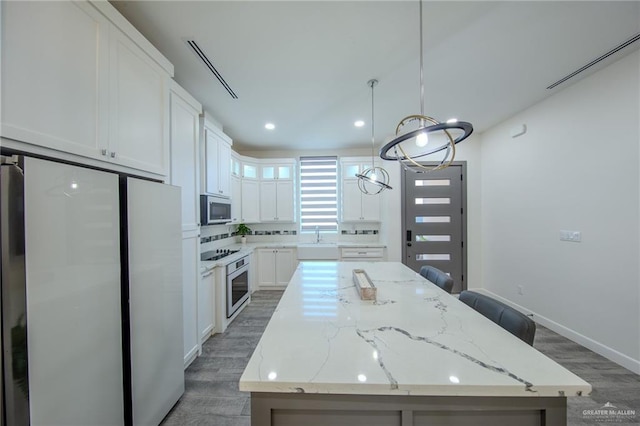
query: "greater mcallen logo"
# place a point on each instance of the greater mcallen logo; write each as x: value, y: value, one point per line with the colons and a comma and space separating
x: 610, y: 413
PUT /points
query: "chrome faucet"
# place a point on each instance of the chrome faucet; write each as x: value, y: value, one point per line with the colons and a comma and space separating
x: 317, y: 234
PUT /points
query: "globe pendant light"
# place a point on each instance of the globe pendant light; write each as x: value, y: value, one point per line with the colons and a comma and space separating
x: 373, y: 180
x: 418, y: 136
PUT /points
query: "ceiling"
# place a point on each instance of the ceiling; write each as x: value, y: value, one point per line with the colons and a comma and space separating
x: 304, y: 65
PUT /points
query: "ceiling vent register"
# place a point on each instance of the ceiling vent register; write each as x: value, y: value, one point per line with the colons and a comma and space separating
x: 595, y: 61
x: 207, y: 62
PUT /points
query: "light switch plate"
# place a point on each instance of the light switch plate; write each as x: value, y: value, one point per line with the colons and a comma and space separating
x: 573, y: 236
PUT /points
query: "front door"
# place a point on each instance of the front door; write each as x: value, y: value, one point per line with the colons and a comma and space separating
x: 434, y: 221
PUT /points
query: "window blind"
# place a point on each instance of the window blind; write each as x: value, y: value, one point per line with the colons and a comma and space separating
x: 318, y: 194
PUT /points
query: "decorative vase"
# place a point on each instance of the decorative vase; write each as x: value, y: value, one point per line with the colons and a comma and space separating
x: 243, y: 240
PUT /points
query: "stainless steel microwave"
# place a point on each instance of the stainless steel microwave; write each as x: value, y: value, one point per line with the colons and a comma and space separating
x: 214, y: 210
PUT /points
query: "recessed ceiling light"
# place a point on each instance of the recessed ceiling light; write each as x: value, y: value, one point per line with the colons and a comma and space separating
x: 269, y: 126
x: 359, y: 123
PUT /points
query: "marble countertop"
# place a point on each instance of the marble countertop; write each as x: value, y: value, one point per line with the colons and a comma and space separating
x: 414, y: 340
x: 248, y: 248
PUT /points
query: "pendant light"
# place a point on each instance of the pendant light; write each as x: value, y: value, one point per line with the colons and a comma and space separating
x: 373, y: 180
x: 418, y: 136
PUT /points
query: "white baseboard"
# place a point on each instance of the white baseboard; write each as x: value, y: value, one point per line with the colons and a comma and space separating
x: 190, y: 357
x: 599, y: 348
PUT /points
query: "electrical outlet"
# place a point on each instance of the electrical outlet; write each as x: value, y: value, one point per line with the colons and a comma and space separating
x: 520, y: 290
x: 573, y: 236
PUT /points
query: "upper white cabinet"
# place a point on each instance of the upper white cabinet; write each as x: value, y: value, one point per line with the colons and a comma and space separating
x: 55, y: 69
x: 236, y: 165
x: 217, y: 161
x: 249, y: 170
x: 77, y: 78
x: 276, y: 201
x: 277, y: 171
x: 139, y: 108
x: 236, y: 200
x: 185, y: 148
x: 250, y: 201
x: 277, y: 190
x: 357, y: 206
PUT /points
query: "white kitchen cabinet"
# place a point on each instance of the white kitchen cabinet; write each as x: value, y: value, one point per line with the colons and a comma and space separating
x: 236, y: 200
x: 275, y: 267
x: 236, y: 166
x: 206, y: 305
x: 277, y: 201
x: 284, y: 170
x: 250, y: 201
x: 249, y: 170
x: 357, y: 206
x: 55, y: 76
x: 139, y: 108
x: 217, y: 161
x: 361, y: 254
x: 351, y: 168
x: 224, y: 171
x: 185, y: 147
x: 190, y: 279
x: 79, y: 79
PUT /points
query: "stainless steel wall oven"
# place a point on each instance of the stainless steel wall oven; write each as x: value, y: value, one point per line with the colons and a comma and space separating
x: 237, y: 284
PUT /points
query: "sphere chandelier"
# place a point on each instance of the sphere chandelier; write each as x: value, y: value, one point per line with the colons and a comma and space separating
x: 375, y: 179
x: 418, y: 136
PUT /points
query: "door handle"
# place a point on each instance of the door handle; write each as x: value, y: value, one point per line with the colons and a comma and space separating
x: 408, y: 235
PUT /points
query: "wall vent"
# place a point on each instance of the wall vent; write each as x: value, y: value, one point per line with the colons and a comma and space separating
x: 207, y: 62
x: 595, y: 61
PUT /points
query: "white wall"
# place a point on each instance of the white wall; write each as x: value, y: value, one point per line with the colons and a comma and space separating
x: 576, y: 168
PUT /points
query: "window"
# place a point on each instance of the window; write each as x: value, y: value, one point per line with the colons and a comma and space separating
x: 318, y: 194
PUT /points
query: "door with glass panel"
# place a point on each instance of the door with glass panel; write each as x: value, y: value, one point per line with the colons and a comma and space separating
x: 434, y: 221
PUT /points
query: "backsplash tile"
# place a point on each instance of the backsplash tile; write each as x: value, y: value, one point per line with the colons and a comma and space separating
x: 274, y: 232
x: 360, y: 232
x: 214, y: 237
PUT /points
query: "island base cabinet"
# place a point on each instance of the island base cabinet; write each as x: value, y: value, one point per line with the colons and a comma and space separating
x: 289, y: 409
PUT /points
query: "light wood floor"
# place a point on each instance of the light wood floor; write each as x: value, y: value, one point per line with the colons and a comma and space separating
x: 212, y: 397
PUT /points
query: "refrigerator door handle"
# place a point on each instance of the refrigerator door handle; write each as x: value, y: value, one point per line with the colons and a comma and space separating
x: 15, y: 377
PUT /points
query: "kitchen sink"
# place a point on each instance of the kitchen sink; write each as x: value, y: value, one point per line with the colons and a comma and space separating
x: 318, y: 251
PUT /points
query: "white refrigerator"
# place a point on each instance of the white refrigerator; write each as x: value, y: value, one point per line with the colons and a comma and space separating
x: 91, y: 296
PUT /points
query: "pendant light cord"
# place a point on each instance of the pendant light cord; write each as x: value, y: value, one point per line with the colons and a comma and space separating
x: 421, y: 66
x: 372, y: 83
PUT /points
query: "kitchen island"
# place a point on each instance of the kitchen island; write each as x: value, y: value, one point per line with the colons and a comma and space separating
x: 415, y: 356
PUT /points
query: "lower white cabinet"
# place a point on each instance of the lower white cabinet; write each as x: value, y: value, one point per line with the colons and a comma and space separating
x: 190, y: 277
x: 275, y: 267
x: 206, y: 304
x: 368, y: 254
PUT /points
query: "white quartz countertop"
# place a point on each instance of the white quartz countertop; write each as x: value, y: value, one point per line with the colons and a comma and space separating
x: 414, y: 340
x: 248, y: 248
